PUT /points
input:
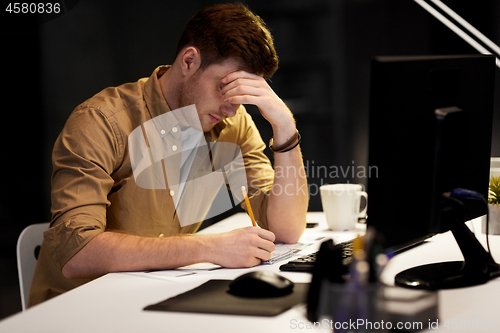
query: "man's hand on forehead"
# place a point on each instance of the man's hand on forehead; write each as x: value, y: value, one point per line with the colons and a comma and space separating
x: 239, y: 84
x: 241, y: 87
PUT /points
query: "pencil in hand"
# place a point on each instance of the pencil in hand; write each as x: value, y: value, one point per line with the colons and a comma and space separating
x: 249, y: 208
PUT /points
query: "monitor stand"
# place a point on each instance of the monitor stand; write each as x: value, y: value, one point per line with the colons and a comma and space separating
x: 478, y: 267
x: 451, y: 212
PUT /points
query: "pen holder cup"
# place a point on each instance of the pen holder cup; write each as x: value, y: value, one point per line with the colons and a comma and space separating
x: 376, y: 307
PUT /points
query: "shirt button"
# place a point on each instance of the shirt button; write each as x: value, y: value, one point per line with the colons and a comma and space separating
x: 172, y: 193
x: 174, y: 148
x: 161, y: 235
x: 174, y: 129
x: 162, y: 132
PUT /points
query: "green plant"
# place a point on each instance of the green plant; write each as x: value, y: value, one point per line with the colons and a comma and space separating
x: 494, y: 192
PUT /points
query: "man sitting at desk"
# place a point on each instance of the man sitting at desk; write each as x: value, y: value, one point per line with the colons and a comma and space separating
x: 102, y: 221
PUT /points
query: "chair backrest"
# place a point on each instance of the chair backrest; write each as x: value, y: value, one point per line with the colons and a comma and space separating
x: 28, y: 246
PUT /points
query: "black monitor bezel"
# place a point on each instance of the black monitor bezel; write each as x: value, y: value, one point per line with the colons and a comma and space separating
x: 406, y: 90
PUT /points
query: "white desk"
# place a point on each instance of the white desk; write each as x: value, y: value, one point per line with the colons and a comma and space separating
x: 115, y: 302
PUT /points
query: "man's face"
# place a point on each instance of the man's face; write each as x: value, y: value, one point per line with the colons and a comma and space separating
x: 202, y: 89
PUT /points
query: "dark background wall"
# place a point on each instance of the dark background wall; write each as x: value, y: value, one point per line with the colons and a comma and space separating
x: 325, y: 47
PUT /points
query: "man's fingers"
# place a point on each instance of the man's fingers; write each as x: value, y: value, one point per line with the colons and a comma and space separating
x: 245, y: 99
x: 243, y: 87
x: 266, y: 234
x: 243, y: 91
x: 265, y: 239
x: 240, y: 75
x: 263, y: 254
x: 245, y: 247
x: 243, y: 82
x: 266, y: 246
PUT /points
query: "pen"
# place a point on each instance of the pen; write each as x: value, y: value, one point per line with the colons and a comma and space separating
x: 248, y: 206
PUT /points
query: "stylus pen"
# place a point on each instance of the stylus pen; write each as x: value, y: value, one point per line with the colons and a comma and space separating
x: 250, y: 212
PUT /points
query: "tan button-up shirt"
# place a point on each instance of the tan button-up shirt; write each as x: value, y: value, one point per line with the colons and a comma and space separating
x: 93, y: 186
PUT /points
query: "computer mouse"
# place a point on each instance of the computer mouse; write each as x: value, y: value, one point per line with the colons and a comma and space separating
x: 260, y: 284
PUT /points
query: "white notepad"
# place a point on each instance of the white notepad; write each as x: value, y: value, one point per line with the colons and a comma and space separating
x: 284, y: 251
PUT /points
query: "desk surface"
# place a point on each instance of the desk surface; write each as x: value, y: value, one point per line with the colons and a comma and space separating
x: 115, y: 302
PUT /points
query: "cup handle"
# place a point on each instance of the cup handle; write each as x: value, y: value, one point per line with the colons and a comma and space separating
x: 363, y: 212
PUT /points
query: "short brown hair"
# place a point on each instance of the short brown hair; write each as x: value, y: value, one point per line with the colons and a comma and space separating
x: 227, y: 31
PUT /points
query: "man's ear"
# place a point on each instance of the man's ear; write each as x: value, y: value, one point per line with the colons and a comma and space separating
x: 190, y: 61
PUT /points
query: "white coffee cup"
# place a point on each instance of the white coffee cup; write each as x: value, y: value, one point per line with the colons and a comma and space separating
x: 342, y: 205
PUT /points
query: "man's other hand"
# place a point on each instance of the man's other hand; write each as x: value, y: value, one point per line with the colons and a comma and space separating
x: 245, y: 247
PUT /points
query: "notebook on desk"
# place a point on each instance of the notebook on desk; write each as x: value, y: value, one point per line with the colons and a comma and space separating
x: 285, y: 251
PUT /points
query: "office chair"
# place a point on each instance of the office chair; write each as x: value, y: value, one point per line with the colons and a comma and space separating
x: 28, y: 247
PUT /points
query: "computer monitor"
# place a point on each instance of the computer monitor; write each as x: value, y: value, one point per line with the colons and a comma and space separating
x: 430, y: 133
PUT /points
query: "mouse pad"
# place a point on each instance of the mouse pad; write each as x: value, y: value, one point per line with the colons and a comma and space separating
x: 213, y: 297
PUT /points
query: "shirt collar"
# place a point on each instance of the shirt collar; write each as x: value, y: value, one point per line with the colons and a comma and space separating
x: 153, y: 96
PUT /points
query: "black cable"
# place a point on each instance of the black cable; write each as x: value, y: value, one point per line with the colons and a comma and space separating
x: 487, y: 226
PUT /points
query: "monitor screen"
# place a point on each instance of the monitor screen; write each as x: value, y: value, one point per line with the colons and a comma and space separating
x: 419, y: 155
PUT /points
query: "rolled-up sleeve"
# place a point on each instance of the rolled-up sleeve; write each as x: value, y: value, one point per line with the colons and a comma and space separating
x: 84, y: 157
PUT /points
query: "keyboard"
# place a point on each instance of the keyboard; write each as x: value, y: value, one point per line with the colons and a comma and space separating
x: 306, y: 262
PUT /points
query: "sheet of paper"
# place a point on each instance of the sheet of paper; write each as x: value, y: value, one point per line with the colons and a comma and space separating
x: 201, y: 266
x: 195, y: 270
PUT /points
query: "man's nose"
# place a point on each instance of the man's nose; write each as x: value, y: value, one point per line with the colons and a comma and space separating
x: 228, y: 109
